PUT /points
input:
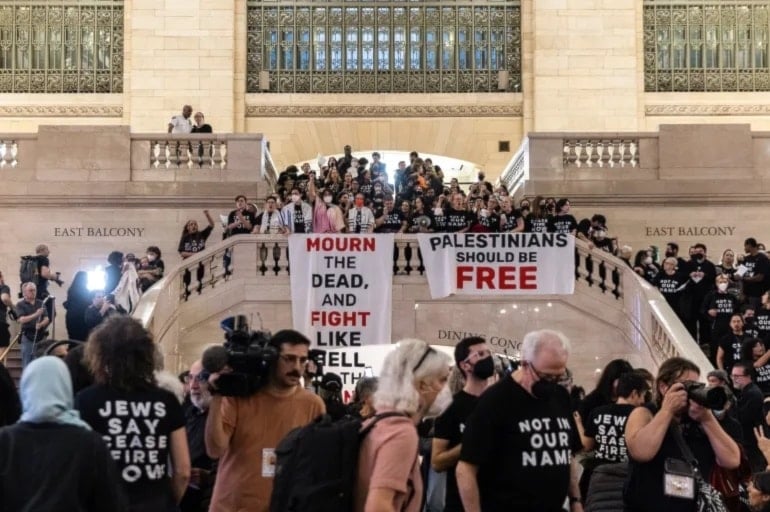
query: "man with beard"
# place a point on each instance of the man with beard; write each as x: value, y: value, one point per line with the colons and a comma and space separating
x: 702, y: 274
x: 243, y: 432
x: 202, y: 475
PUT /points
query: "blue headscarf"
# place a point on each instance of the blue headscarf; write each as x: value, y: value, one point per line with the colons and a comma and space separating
x: 46, y: 393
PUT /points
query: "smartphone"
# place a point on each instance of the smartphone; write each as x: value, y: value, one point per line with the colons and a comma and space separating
x: 368, y: 372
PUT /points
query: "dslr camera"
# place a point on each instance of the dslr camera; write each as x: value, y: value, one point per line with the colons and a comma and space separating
x: 711, y: 398
x: 249, y: 355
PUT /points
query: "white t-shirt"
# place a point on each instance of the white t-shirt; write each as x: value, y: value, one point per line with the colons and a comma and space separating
x: 180, y: 124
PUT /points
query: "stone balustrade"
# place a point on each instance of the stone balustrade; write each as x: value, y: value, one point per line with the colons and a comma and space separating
x: 601, y: 153
x: 606, y: 288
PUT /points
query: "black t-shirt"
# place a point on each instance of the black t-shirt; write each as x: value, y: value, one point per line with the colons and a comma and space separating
x: 511, y: 220
x: 195, y: 242
x: 564, y: 224
x: 762, y: 322
x: 414, y: 221
x: 239, y: 228
x: 137, y: 427
x: 758, y: 264
x: 455, y: 220
x: 536, y: 224
x: 523, y: 447
x: 42, y: 282
x: 607, y: 426
x: 393, y: 222
x: 731, y: 344
x: 725, y: 304
x: 24, y: 308
x: 3, y: 307
x: 762, y: 379
x: 451, y: 426
x: 671, y: 287
x: 706, y: 283
x: 299, y: 219
x: 489, y: 223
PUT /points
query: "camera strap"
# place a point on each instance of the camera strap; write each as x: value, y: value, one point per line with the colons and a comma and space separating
x: 676, y: 431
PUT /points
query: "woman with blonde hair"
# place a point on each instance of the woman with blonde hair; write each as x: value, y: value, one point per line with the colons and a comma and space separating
x: 412, y: 386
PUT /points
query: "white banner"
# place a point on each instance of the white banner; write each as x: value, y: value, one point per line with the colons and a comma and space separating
x: 341, y: 288
x: 498, y: 263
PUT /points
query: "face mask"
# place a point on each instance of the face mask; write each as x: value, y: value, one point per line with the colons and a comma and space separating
x: 328, y: 199
x: 599, y: 235
x: 438, y: 211
x: 359, y: 203
x: 484, y: 368
x: 722, y: 287
x: 150, y: 257
x: 440, y: 404
x: 525, y: 211
x: 544, y: 390
x: 697, y: 257
x: 647, y: 260
x: 670, y: 254
x: 296, y: 198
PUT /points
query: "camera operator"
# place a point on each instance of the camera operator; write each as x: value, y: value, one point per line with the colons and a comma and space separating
x: 749, y: 410
x: 654, y: 452
x: 330, y: 392
x: 45, y: 274
x: 242, y: 432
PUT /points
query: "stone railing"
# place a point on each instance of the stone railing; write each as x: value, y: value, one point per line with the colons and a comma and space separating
x: 601, y: 153
x: 16, y: 149
x: 517, y: 170
x: 607, y: 282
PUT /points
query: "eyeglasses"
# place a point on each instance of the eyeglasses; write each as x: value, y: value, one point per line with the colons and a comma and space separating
x: 549, y: 377
x: 293, y: 360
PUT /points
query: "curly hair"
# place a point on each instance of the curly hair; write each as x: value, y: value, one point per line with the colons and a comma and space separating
x: 121, y: 354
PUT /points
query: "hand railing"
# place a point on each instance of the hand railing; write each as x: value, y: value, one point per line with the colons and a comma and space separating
x: 517, y: 171
x: 7, y: 350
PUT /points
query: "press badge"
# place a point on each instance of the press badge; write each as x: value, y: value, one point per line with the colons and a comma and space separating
x: 678, y: 479
x: 268, y: 462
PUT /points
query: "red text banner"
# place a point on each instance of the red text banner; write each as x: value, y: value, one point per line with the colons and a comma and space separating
x: 341, y: 288
x: 498, y: 263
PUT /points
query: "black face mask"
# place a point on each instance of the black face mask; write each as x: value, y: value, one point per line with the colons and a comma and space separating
x: 697, y: 257
x: 484, y: 368
x: 670, y: 254
x: 544, y: 390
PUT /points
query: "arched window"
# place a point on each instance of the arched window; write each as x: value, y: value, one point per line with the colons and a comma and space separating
x: 66, y: 46
x: 706, y: 45
x: 352, y: 46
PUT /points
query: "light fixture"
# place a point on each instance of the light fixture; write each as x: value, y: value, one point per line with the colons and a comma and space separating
x: 96, y: 279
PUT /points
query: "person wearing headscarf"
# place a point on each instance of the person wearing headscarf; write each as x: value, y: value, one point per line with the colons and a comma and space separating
x: 50, y: 460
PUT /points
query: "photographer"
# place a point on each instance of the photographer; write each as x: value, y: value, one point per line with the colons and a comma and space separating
x: 651, y: 438
x: 242, y: 432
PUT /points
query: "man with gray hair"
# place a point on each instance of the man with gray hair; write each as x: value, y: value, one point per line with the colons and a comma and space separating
x: 518, y: 443
x: 33, y: 319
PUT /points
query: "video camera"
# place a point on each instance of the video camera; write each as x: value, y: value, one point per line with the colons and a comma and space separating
x: 246, y: 352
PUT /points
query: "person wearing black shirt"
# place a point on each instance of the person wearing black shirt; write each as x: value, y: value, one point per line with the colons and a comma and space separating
x: 755, y: 351
x: 456, y: 218
x: 200, y: 125
x: 762, y: 317
x: 487, y: 220
x: 474, y: 359
x: 605, y: 426
x: 344, y: 163
x: 98, y: 311
x: 605, y: 392
x: 749, y: 411
x: 6, y: 304
x: 562, y: 222
x: 729, y: 349
x: 51, y: 460
x: 511, y: 220
x: 718, y: 306
x: 651, y: 439
x: 756, y: 279
x: 672, y: 251
x: 112, y: 272
x: 45, y: 274
x: 671, y: 283
x: 153, y: 271
x: 391, y: 220
x: 142, y: 424
x: 702, y: 274
x: 202, y: 476
x: 518, y: 443
x: 33, y: 319
x: 239, y: 221
x: 645, y: 266
x: 192, y: 240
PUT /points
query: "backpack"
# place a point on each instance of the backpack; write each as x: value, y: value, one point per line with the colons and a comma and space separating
x: 28, y: 270
x: 316, y: 465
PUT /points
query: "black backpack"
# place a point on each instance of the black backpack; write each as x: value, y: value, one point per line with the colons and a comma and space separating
x: 28, y: 270
x: 316, y: 465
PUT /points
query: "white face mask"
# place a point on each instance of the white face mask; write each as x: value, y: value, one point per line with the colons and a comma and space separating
x: 440, y: 404
x: 722, y: 287
x: 328, y: 199
x: 150, y: 257
x: 647, y: 260
x: 296, y: 198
